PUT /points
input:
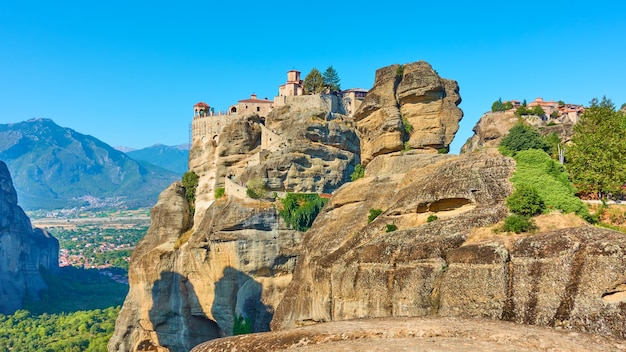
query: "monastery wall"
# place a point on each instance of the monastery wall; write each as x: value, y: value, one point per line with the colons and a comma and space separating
x: 207, y: 127
x: 327, y: 102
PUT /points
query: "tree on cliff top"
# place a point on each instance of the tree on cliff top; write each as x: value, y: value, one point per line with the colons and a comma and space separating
x: 597, y: 156
x: 331, y: 79
x: 314, y: 82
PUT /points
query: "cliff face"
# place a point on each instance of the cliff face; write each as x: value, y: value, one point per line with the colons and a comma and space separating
x: 409, y: 107
x: 191, y: 279
x: 23, y: 250
x: 493, y: 126
x: 349, y: 268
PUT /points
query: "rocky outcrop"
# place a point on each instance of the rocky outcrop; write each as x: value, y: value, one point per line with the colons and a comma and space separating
x: 409, y: 107
x: 569, y: 278
x: 192, y: 279
x: 416, y: 334
x: 489, y: 130
x: 236, y: 262
x: 493, y: 126
x: 350, y: 268
x: 23, y: 250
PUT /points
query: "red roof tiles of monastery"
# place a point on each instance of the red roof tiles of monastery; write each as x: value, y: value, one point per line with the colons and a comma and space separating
x: 255, y: 101
x: 202, y: 105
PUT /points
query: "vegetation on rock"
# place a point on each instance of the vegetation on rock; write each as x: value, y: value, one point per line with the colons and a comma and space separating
x: 535, y: 110
x: 256, y: 188
x: 535, y: 167
x: 431, y: 218
x: 522, y: 137
x: 220, y: 192
x: 391, y: 228
x: 359, y: 172
x: 525, y: 201
x: 597, y: 156
x: 373, y: 214
x: 518, y: 224
x: 241, y: 325
x: 498, y: 105
x: 190, y: 182
x: 300, y: 209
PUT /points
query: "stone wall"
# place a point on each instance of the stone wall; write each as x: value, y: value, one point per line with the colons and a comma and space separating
x: 327, y: 102
x: 233, y: 189
x: 209, y: 126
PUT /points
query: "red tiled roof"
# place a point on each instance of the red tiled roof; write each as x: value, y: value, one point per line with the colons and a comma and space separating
x: 255, y: 101
x: 202, y: 105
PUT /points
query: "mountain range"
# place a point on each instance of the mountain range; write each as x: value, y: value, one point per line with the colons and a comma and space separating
x: 57, y: 167
x: 173, y: 158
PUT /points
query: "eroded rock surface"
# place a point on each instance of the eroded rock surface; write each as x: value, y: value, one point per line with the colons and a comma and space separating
x: 416, y: 94
x: 417, y: 334
x: 23, y: 250
x: 493, y: 126
x: 571, y: 278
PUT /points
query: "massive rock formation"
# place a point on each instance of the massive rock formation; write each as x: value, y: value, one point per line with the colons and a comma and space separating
x: 415, y: 258
x: 191, y: 279
x: 23, y: 250
x: 409, y: 107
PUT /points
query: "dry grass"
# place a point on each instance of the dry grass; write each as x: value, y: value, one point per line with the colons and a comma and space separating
x: 544, y: 222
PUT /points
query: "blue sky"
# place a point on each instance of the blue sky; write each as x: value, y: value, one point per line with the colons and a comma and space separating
x: 129, y: 72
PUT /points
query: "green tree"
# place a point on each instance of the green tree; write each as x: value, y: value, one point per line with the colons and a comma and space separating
x: 522, y: 137
x: 597, y: 156
x: 331, y: 79
x: 537, y: 110
x: 190, y: 182
x: 300, y: 209
x: 314, y: 82
x: 497, y: 105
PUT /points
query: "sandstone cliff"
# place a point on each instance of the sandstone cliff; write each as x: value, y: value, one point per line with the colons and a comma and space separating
x: 190, y: 279
x: 409, y: 107
x: 493, y: 126
x: 23, y: 250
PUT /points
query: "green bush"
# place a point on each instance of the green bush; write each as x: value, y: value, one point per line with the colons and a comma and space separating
x: 535, y: 167
x: 255, y: 188
x: 359, y: 172
x: 241, y: 325
x: 525, y: 201
x: 445, y: 150
x: 391, y: 228
x: 518, y: 224
x: 408, y: 128
x: 373, y: 214
x: 431, y: 218
x: 300, y: 209
x: 399, y: 71
x: 220, y: 192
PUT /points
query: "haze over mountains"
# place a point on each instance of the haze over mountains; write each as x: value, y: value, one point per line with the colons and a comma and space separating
x: 173, y: 158
x: 57, y: 167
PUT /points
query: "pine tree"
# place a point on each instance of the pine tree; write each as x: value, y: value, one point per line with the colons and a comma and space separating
x: 313, y: 82
x: 331, y: 79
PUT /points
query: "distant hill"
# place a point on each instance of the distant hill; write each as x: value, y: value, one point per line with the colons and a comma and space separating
x: 57, y: 167
x: 171, y: 158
